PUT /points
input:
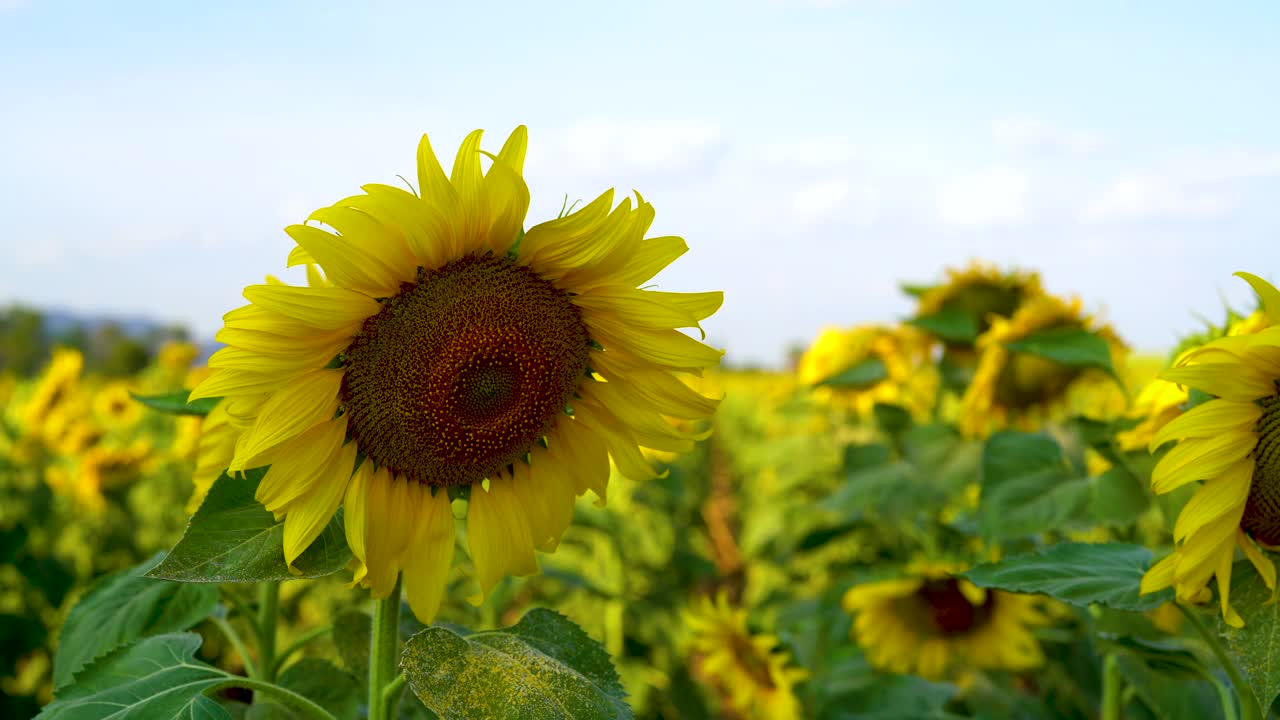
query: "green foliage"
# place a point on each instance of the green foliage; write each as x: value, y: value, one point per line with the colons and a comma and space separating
x: 949, y: 324
x: 1077, y: 573
x: 1072, y: 347
x: 859, y: 376
x: 319, y: 681
x: 175, y: 403
x: 232, y: 538
x: 1028, y: 487
x: 123, y: 607
x: 542, y: 667
x: 1254, y: 648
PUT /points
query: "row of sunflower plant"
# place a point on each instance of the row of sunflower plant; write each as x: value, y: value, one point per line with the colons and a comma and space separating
x: 474, y: 470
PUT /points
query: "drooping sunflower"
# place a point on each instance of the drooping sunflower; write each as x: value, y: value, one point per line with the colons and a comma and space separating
x: 981, y: 291
x: 448, y: 353
x: 1230, y: 443
x: 1012, y: 388
x: 935, y: 625
x: 753, y: 673
x: 893, y: 360
x: 115, y: 408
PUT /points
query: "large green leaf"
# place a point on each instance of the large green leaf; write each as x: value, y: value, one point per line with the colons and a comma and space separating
x: 157, y: 677
x: 123, y: 607
x: 1077, y: 573
x: 175, y: 403
x: 1027, y: 487
x: 951, y: 324
x: 863, y: 375
x: 542, y: 667
x: 1118, y: 497
x: 1254, y: 648
x: 232, y: 538
x: 1073, y: 347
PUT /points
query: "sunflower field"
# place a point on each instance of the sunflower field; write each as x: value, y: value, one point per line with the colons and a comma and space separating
x: 482, y: 466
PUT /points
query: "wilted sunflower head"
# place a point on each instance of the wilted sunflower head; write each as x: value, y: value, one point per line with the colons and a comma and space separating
x: 1232, y: 444
x: 856, y: 368
x: 935, y: 625
x: 748, y: 668
x: 441, y: 351
x: 1017, y: 387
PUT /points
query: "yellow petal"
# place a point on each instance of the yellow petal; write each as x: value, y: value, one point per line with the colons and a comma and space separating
x: 507, y: 200
x: 1215, y: 498
x: 1266, y: 569
x: 1231, y: 380
x: 467, y: 179
x: 308, y: 516
x: 429, y: 557
x: 328, y: 308
x: 1196, y: 459
x: 434, y: 185
x: 572, y: 230
x: 389, y: 529
x: 668, y: 348
x: 1267, y: 292
x: 310, y: 399
x: 355, y: 516
x: 667, y: 394
x: 513, y: 150
x: 651, y: 256
x: 351, y: 262
x: 1229, y: 614
x: 583, y: 455
x: 498, y: 535
x: 1207, y: 420
x: 622, y: 446
x: 1161, y: 575
x: 304, y: 461
x: 429, y: 235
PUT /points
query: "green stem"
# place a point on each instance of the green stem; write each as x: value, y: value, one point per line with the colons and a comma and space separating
x: 268, y: 607
x: 238, y: 643
x: 283, y: 656
x: 1112, y: 687
x: 1250, y: 709
x: 1224, y: 695
x: 239, y: 606
x: 391, y: 695
x: 288, y: 697
x: 383, y: 651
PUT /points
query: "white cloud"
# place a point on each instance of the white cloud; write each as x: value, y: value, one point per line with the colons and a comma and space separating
x: 603, y: 147
x: 1025, y: 132
x: 1152, y: 197
x: 819, y: 199
x: 992, y: 196
x: 817, y: 153
x: 11, y: 5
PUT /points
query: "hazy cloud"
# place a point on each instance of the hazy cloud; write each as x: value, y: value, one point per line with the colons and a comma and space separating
x: 1025, y: 132
x: 995, y: 195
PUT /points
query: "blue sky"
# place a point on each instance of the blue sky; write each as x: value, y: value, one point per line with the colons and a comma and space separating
x: 814, y: 154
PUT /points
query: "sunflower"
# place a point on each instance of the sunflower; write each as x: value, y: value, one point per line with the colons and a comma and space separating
x: 100, y: 469
x: 115, y: 408
x: 747, y: 667
x: 981, y: 291
x: 893, y: 360
x: 56, y: 385
x: 175, y: 357
x: 1229, y: 442
x: 445, y: 353
x: 1018, y: 389
x: 935, y: 625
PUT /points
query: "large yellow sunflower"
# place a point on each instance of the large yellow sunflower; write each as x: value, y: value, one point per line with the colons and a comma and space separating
x: 747, y: 667
x: 904, y: 375
x: 447, y: 353
x: 1231, y: 443
x: 1021, y: 390
x: 937, y: 626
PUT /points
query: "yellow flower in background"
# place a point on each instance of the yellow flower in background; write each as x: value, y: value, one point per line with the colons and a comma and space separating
x: 983, y: 291
x: 1232, y: 443
x: 186, y: 438
x: 175, y: 357
x: 115, y: 408
x: 900, y: 356
x: 55, y: 386
x: 1159, y: 402
x: 69, y: 431
x: 99, y: 469
x: 1022, y: 390
x: 458, y: 355
x: 748, y: 667
x: 932, y: 624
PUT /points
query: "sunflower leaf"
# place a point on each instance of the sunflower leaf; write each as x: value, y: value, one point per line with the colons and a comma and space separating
x: 543, y: 666
x: 1073, y: 347
x: 156, y: 677
x: 232, y: 538
x: 863, y: 375
x: 952, y: 325
x: 1027, y: 487
x: 123, y: 607
x: 1077, y: 573
x: 321, y: 682
x: 1254, y: 648
x: 175, y: 403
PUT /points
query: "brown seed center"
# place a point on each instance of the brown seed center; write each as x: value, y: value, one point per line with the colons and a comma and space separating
x: 1262, y: 508
x: 949, y: 610
x: 463, y: 371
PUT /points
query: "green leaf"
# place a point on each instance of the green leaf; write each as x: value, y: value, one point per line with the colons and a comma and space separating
x: 319, y: 681
x: 232, y: 538
x: 1072, y: 347
x: 542, y: 667
x: 175, y: 403
x: 157, y: 677
x: 863, y: 375
x: 1027, y: 487
x: 1118, y: 497
x: 894, y: 697
x: 893, y: 420
x: 123, y: 607
x: 1254, y: 648
x: 352, y: 634
x: 952, y: 325
x: 1077, y: 573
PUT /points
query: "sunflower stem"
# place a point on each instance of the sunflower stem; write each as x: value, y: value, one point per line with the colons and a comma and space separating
x: 1250, y: 709
x: 1112, y: 687
x: 288, y: 697
x: 383, y: 652
x: 268, y: 608
x: 238, y: 643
